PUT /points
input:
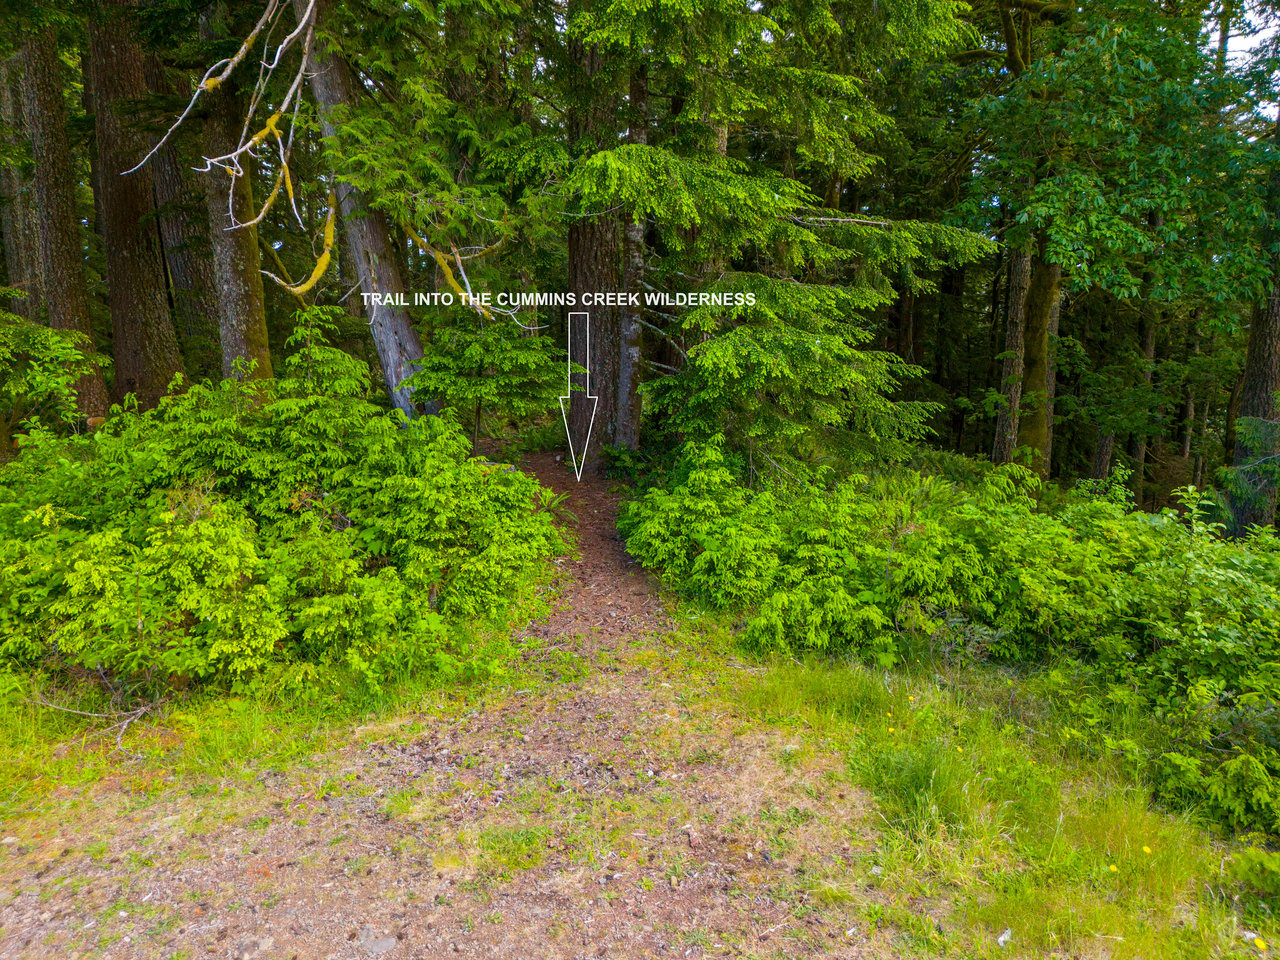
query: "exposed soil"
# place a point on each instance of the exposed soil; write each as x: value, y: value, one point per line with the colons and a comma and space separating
x: 617, y: 807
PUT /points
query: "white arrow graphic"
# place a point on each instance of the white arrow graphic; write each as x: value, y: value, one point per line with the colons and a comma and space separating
x: 579, y: 456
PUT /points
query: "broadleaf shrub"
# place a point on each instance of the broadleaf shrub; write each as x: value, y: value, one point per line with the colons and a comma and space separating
x: 1161, y: 607
x: 252, y: 523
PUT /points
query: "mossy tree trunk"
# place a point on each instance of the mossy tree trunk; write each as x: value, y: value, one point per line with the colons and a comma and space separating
x: 17, y: 210
x: 144, y: 343
x: 377, y: 257
x: 633, y: 265
x: 184, y: 232
x: 1015, y: 312
x: 242, y: 316
x: 61, y: 250
x: 1034, y: 415
x: 594, y: 254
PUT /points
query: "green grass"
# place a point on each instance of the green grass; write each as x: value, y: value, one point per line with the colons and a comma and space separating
x: 507, y: 850
x: 1013, y: 829
x: 980, y: 818
x: 50, y: 746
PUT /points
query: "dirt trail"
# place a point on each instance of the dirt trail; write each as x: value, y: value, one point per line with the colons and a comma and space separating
x: 609, y: 803
x: 604, y: 594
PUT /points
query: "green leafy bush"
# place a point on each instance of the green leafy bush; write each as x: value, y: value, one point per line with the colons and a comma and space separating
x: 249, y: 524
x: 39, y: 367
x: 1160, y: 610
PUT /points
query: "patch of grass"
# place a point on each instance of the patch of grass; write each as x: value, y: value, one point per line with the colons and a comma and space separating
x: 508, y: 849
x: 922, y: 788
x: 198, y: 735
x: 980, y: 812
x: 401, y: 803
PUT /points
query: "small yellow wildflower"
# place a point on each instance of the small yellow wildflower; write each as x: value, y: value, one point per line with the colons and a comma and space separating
x: 891, y: 729
x: 912, y: 699
x: 1113, y: 868
x: 1146, y: 850
x: 1260, y: 943
x: 959, y: 749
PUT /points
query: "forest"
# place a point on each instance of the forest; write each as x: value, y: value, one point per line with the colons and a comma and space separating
x: 898, y: 377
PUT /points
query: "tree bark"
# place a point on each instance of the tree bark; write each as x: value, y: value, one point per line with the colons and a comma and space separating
x: 189, y: 258
x: 17, y: 212
x: 144, y: 344
x: 905, y: 318
x: 1033, y: 423
x: 241, y: 301
x: 1102, y: 451
x: 998, y: 273
x: 1230, y: 415
x: 1148, y: 324
x: 628, y: 429
x: 184, y: 232
x: 1014, y: 341
x: 1055, y: 321
x: 60, y: 248
x: 594, y: 253
x: 1255, y: 503
x: 1202, y: 431
x: 368, y: 235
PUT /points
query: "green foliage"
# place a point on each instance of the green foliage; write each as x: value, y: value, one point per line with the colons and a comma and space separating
x: 787, y: 375
x: 1163, y: 608
x: 39, y: 368
x: 1258, y: 871
x: 490, y: 364
x: 924, y: 788
x: 250, y: 524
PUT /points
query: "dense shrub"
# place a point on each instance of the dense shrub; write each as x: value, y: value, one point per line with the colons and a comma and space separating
x: 248, y: 524
x: 1160, y: 609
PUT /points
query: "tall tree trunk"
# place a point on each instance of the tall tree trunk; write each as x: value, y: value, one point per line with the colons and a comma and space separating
x: 1260, y: 438
x: 1189, y: 407
x: 1229, y: 427
x: 594, y: 250
x: 368, y: 235
x: 144, y: 344
x: 1226, y: 14
x: 1033, y: 423
x: 1202, y: 431
x: 949, y: 345
x: 190, y: 259
x: 17, y: 211
x: 1188, y: 423
x: 1055, y: 320
x: 1259, y: 383
x: 242, y: 314
x: 633, y: 265
x: 1102, y: 451
x: 1014, y: 340
x: 60, y: 246
x: 184, y: 232
x: 904, y: 318
x: 1149, y: 323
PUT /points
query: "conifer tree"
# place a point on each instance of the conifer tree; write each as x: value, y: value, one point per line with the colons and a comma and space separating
x: 144, y: 344
x: 61, y: 249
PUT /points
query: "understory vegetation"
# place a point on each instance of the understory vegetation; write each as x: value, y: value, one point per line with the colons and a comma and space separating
x: 1131, y: 614
x: 932, y: 349
x: 1021, y: 831
x: 259, y: 531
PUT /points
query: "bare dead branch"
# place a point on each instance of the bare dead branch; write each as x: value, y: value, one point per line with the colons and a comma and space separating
x: 211, y: 82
